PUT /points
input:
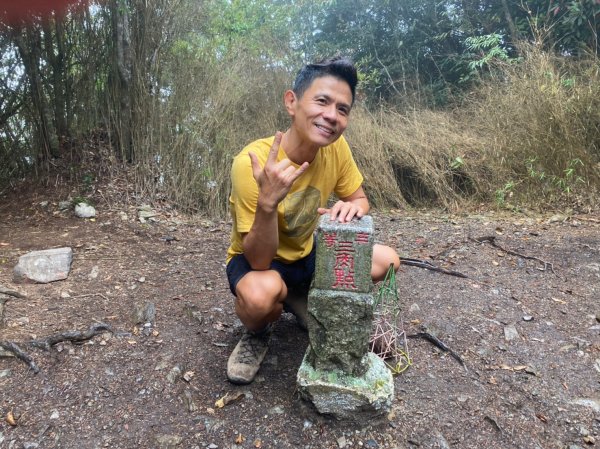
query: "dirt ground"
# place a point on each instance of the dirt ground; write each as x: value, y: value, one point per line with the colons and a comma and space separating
x: 157, y: 387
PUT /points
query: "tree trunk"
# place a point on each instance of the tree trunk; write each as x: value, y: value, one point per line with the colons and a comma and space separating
x: 123, y: 66
x: 56, y: 58
x: 514, y: 35
x: 30, y: 51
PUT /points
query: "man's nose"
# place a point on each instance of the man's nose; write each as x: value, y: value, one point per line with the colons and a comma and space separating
x: 330, y: 113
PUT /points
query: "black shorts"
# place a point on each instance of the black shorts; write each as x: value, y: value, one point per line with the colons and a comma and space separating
x: 296, y: 275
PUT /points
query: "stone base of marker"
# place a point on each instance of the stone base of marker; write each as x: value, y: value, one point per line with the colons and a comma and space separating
x: 347, y: 397
x: 339, y: 328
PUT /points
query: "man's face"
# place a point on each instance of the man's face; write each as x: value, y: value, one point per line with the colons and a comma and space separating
x: 320, y: 116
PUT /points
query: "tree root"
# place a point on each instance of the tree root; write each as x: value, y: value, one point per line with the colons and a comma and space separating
x: 47, y: 343
x: 5, y: 291
x: 20, y: 354
x: 491, y: 239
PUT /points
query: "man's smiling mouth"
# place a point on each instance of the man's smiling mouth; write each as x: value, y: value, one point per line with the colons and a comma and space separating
x: 324, y: 128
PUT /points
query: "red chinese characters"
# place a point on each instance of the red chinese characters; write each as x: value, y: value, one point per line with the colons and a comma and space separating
x: 343, y: 268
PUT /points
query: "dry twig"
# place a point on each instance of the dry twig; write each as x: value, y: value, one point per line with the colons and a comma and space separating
x: 439, y: 344
x: 429, y: 266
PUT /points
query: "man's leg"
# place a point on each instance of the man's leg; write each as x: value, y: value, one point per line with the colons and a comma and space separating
x: 259, y: 298
x: 259, y: 302
x: 383, y: 257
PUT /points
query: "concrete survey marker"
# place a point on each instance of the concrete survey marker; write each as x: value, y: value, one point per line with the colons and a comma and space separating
x: 339, y: 375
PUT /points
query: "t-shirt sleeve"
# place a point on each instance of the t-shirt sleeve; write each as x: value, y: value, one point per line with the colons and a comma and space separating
x: 244, y: 192
x: 350, y: 177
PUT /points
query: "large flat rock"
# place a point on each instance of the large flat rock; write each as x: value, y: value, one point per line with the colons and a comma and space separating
x: 44, y: 266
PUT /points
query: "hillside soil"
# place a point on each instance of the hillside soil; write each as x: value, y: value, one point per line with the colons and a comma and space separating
x: 525, y: 321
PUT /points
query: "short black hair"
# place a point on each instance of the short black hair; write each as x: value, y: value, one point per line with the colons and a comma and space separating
x: 338, y: 67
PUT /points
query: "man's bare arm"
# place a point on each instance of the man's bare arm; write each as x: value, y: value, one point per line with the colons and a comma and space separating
x: 274, y: 181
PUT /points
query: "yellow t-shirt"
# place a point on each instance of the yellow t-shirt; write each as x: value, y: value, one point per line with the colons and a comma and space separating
x: 332, y: 170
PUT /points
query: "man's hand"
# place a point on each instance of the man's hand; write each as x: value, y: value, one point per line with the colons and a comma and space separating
x: 343, y: 211
x: 275, y: 179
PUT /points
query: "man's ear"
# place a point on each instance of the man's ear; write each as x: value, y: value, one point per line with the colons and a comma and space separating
x: 290, y: 99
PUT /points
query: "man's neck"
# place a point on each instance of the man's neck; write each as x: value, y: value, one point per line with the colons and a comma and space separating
x: 297, y: 150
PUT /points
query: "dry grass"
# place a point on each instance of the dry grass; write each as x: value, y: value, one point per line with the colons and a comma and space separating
x: 542, y: 126
x: 530, y: 137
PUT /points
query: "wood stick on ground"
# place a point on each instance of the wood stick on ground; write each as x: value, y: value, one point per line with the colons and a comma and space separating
x: 20, y: 354
x: 439, y: 344
x: 429, y: 266
x: 491, y: 239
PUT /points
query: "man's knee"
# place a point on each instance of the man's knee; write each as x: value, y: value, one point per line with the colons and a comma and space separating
x: 260, y: 291
x: 385, y: 255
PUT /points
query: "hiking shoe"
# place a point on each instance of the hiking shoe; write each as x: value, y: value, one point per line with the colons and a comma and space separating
x: 298, y: 306
x: 244, y: 362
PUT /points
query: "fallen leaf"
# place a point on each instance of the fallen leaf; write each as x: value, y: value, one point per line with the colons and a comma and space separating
x: 415, y: 322
x: 10, y: 419
x: 257, y: 443
x: 495, y: 263
x: 228, y: 399
x: 4, y: 244
x: 493, y: 380
x: 541, y: 417
x: 239, y: 439
x: 188, y: 376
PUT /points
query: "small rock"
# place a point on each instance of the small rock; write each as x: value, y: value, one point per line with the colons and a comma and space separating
x: 168, y: 441
x: 65, y: 295
x: 188, y: 401
x: 30, y: 445
x: 527, y: 318
x: 589, y: 439
x: 174, y: 374
x: 55, y: 414
x: 556, y: 218
x: 94, y: 273
x: 5, y: 372
x: 371, y: 444
x: 583, y: 431
x: 597, y: 365
x: 341, y: 441
x: 123, y: 216
x: 64, y: 205
x: 188, y: 376
x: 83, y: 210
x: 144, y: 313
x: 277, y: 410
x: 212, y: 446
x: 510, y: 333
x: 591, y: 403
x: 44, y: 204
x: 414, y: 308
